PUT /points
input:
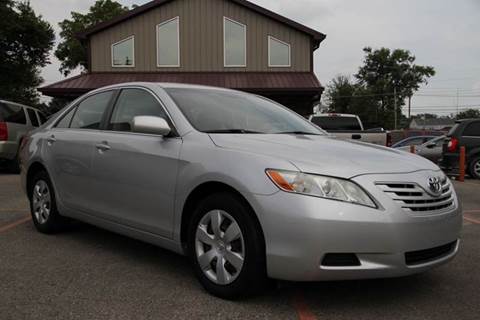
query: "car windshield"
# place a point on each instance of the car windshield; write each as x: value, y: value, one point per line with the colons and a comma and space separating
x: 222, y: 111
x: 452, y: 131
x: 333, y: 123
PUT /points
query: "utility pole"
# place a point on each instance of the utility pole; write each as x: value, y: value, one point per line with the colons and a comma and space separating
x: 409, y: 107
x: 457, y: 102
x: 395, y: 104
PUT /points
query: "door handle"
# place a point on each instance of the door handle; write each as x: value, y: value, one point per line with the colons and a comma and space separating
x: 51, y: 140
x: 102, y: 146
x: 356, y: 136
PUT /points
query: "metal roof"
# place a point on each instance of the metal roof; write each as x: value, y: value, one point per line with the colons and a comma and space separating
x: 264, y: 82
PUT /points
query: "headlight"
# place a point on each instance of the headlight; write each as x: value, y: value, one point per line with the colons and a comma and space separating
x: 320, y: 186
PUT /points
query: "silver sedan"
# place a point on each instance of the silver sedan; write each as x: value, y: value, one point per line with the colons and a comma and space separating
x: 246, y: 188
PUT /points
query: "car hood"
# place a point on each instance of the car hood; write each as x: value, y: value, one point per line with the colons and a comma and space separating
x: 325, y: 154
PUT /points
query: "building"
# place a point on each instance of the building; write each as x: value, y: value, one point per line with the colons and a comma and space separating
x: 443, y: 124
x: 225, y: 43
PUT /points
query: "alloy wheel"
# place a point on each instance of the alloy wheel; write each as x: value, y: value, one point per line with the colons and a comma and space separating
x: 41, y: 201
x: 219, y: 247
x: 476, y: 168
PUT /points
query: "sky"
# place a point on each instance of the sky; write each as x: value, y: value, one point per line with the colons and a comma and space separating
x: 444, y: 34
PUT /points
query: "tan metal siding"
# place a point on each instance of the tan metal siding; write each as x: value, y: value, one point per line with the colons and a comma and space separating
x: 201, y: 38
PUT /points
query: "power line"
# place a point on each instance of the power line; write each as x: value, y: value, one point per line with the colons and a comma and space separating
x: 414, y: 95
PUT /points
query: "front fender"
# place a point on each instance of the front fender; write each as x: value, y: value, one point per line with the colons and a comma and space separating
x: 201, y: 162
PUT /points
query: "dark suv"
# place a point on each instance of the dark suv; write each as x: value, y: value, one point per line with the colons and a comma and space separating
x: 465, y: 133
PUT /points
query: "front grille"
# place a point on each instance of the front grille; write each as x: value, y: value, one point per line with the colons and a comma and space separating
x: 411, y: 197
x: 427, y: 255
x: 340, y: 260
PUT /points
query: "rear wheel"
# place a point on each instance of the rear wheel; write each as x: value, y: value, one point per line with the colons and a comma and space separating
x: 474, y: 168
x: 43, y: 208
x: 226, y: 247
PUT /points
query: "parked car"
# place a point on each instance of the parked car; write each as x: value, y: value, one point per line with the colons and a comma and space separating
x: 465, y: 133
x: 349, y: 126
x: 413, y: 141
x: 15, y: 121
x: 245, y: 187
x: 431, y: 150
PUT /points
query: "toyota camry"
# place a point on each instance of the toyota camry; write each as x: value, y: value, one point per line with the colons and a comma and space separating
x: 243, y: 186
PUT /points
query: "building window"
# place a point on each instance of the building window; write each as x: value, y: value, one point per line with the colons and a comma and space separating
x: 278, y: 53
x: 234, y: 43
x: 168, y: 43
x: 123, y: 53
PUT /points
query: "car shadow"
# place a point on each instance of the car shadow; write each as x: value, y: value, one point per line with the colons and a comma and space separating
x: 331, y: 294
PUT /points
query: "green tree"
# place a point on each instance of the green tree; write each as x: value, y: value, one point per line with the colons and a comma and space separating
x: 339, y: 94
x: 385, y: 71
x: 71, y: 51
x: 469, y: 114
x: 25, y: 42
x: 426, y: 116
x: 342, y: 95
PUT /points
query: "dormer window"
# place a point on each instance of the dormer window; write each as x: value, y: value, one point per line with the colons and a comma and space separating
x: 278, y: 53
x: 168, y: 43
x: 234, y: 43
x: 123, y: 53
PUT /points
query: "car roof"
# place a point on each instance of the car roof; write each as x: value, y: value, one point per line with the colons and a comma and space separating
x: 332, y: 114
x: 163, y: 85
x: 18, y: 104
x: 466, y: 120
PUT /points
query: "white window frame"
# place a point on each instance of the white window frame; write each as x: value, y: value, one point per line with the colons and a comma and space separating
x: 270, y: 65
x: 132, y: 37
x: 244, y: 65
x: 178, y: 42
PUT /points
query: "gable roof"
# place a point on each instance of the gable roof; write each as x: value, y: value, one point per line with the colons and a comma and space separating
x: 260, y: 82
x: 317, y: 36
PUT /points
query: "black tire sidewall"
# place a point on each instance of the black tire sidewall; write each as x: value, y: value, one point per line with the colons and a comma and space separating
x: 252, y: 277
x: 471, y: 167
x: 55, y: 222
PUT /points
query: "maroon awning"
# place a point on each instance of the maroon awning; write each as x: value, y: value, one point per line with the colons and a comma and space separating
x: 262, y: 82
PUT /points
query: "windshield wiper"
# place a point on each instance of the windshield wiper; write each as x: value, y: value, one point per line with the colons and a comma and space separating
x: 232, y: 131
x: 299, y: 132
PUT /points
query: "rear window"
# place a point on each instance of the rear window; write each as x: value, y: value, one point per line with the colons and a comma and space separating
x: 472, y: 130
x: 33, y: 117
x: 452, y: 131
x: 42, y: 117
x: 337, y: 123
x: 12, y: 113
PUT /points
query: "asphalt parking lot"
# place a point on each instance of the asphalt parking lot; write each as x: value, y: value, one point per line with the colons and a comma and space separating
x: 88, y: 273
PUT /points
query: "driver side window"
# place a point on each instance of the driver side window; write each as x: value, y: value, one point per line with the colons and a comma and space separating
x: 132, y: 103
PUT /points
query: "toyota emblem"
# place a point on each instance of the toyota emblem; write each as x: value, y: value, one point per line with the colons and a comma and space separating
x: 435, y: 185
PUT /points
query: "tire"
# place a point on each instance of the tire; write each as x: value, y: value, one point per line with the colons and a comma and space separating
x: 231, y: 278
x: 474, y: 168
x: 43, y: 208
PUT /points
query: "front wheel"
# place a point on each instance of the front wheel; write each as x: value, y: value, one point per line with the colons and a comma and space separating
x: 474, y: 168
x: 226, y: 247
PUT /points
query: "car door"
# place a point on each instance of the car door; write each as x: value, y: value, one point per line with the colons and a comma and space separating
x: 432, y: 150
x: 69, y: 149
x: 135, y: 174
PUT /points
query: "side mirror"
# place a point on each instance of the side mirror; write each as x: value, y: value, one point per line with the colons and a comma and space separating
x: 431, y: 145
x: 151, y: 125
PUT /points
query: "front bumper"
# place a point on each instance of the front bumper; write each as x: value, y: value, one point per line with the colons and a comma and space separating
x: 300, y: 230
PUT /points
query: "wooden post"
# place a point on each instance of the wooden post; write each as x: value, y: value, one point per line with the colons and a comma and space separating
x: 412, y: 149
x: 461, y: 176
